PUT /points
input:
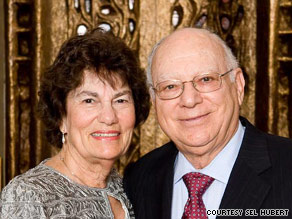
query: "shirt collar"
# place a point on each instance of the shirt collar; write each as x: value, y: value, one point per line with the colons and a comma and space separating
x: 220, y: 167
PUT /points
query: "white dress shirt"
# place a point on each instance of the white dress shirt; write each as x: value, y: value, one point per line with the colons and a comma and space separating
x: 220, y: 169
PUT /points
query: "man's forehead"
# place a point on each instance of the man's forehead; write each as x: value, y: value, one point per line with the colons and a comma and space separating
x: 204, y: 60
x: 185, y: 55
x: 186, y: 37
x: 187, y: 47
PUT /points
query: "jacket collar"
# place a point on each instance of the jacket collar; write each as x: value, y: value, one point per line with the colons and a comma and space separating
x: 245, y: 188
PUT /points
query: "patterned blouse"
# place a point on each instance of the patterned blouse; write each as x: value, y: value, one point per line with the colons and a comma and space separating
x: 42, y: 192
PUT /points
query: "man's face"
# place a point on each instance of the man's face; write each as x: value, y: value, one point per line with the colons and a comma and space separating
x: 198, y: 123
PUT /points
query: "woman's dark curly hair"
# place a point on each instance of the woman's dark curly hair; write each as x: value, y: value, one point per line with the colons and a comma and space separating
x: 100, y: 52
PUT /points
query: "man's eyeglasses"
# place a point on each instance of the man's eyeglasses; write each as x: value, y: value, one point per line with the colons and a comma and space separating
x: 204, y: 83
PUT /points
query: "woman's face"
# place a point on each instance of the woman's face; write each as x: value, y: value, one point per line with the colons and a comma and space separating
x: 100, y: 119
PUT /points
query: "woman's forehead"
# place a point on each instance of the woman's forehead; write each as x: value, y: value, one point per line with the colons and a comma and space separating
x: 114, y: 79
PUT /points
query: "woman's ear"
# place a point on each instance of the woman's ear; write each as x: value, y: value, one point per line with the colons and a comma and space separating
x: 63, y: 127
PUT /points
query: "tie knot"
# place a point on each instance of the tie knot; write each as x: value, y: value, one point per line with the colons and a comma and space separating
x: 197, y: 183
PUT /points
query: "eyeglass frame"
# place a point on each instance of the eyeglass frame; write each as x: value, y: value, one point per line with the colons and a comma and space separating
x: 193, y: 82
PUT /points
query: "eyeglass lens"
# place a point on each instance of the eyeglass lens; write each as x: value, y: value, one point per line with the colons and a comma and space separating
x: 203, y: 83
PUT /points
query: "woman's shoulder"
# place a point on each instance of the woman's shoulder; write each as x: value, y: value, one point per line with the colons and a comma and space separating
x: 116, y: 190
x: 115, y: 175
x: 115, y: 182
x: 24, y: 195
x: 27, y: 186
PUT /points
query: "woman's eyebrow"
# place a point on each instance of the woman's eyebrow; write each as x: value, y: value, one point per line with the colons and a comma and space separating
x: 125, y: 92
x: 94, y: 94
x: 87, y: 93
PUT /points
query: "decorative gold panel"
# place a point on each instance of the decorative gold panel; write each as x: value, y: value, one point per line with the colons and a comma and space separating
x: 20, y: 86
x: 36, y: 29
x: 1, y: 180
x: 3, y: 94
x: 280, y: 65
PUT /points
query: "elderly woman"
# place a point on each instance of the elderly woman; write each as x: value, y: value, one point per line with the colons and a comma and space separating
x: 91, y: 98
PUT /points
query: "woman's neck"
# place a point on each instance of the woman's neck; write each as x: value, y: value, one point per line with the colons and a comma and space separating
x: 89, y: 172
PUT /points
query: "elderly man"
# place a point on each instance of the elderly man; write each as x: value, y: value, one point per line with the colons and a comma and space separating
x: 217, y: 163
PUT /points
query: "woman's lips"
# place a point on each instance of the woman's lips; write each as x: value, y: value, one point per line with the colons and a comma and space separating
x: 109, y: 135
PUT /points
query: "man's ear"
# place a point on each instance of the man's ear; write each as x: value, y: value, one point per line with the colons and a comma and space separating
x: 152, y: 96
x: 240, y: 83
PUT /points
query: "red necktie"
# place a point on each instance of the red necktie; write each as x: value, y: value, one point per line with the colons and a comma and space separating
x: 197, y: 184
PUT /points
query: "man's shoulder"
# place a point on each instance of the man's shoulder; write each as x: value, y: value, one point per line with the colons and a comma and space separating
x: 278, y: 147
x: 160, y: 153
x: 154, y: 159
x: 272, y: 139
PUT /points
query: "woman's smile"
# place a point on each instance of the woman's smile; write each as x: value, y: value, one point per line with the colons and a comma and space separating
x: 106, y: 135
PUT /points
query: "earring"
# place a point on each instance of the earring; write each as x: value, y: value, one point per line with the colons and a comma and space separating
x: 63, y: 137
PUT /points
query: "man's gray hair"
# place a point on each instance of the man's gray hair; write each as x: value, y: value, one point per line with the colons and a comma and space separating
x: 230, y: 60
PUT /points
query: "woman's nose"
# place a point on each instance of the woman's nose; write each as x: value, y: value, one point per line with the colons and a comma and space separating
x: 108, y: 115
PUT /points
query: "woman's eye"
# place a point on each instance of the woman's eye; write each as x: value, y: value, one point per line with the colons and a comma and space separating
x: 121, y: 101
x: 88, y: 100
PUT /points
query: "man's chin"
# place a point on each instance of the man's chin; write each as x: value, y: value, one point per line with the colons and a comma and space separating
x: 193, y: 144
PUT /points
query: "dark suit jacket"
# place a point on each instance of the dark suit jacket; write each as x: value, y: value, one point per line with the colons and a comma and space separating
x: 261, y: 177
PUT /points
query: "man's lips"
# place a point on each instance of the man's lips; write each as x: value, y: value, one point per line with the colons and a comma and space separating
x: 194, y: 118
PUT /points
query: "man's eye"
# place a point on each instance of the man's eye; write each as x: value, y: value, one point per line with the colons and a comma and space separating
x: 169, y: 87
x: 207, y: 79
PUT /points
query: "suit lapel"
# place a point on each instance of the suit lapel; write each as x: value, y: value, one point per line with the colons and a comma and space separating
x: 166, y: 183
x: 246, y: 189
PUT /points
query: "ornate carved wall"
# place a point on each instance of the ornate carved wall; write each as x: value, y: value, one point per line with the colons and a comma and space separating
x: 36, y: 29
x: 280, y: 65
x: 2, y: 90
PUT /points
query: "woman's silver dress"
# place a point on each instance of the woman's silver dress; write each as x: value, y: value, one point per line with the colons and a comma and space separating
x: 43, y: 192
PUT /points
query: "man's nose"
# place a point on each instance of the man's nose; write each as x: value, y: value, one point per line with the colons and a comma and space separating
x: 190, y: 96
x: 108, y: 114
